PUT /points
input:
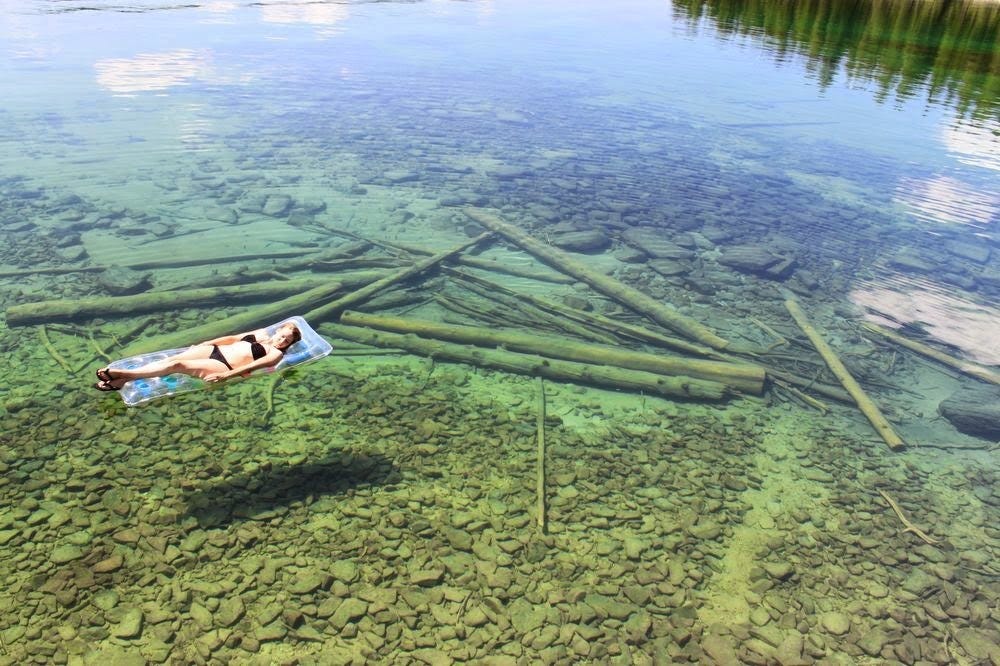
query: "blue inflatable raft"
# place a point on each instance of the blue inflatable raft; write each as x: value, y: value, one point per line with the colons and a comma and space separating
x: 310, y: 348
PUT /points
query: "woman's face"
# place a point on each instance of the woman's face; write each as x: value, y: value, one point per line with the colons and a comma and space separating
x: 283, y: 336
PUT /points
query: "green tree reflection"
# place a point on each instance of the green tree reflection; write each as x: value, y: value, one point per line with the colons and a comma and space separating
x: 947, y: 50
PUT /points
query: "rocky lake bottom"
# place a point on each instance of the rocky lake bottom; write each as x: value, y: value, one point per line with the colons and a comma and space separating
x: 385, y: 513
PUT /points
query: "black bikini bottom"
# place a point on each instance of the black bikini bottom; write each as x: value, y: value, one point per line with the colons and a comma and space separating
x: 217, y: 355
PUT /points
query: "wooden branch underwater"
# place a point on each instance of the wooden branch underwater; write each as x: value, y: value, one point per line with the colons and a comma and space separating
x: 504, y: 329
x: 746, y: 378
x: 907, y: 525
x: 609, y: 286
x: 324, y: 298
x: 536, y: 366
x: 67, y: 310
x: 967, y: 367
x: 865, y: 404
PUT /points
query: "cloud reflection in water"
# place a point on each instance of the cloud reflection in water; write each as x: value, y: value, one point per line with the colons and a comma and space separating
x: 945, y: 316
x: 148, y: 72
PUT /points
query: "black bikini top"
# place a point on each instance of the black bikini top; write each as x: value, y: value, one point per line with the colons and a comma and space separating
x: 256, y: 349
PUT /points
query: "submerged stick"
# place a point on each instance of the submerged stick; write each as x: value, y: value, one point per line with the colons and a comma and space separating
x: 967, y: 367
x: 356, y: 263
x: 52, y: 350
x: 826, y: 390
x: 633, y: 298
x: 458, y: 307
x: 808, y: 399
x: 491, y: 265
x: 498, y: 267
x: 910, y: 527
x: 527, y: 312
x: 272, y: 385
x: 540, y: 476
x: 336, y: 307
x: 865, y: 404
x: 779, y: 338
x: 599, y: 323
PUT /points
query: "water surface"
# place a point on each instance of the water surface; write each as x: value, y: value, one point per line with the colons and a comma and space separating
x: 855, y: 143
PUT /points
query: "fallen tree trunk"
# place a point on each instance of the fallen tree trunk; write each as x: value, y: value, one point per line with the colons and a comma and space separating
x: 355, y: 263
x: 743, y: 377
x: 499, y: 267
x: 865, y: 404
x: 599, y: 324
x: 608, y: 286
x: 154, y: 265
x: 967, y: 367
x: 536, y: 366
x: 336, y: 307
x: 45, y: 312
x: 243, y: 321
x: 526, y: 312
x: 826, y: 390
x: 490, y: 265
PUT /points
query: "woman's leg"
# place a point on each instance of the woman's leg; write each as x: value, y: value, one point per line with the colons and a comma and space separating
x: 193, y: 361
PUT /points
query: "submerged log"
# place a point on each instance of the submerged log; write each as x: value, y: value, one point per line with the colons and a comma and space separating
x: 331, y: 309
x: 491, y: 265
x: 243, y: 321
x: 44, y: 312
x: 526, y: 312
x: 743, y: 377
x: 967, y: 367
x: 155, y: 265
x: 537, y: 366
x: 608, y: 286
x: 865, y: 404
x: 598, y: 324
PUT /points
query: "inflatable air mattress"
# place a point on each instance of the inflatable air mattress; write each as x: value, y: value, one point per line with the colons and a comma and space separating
x: 310, y: 348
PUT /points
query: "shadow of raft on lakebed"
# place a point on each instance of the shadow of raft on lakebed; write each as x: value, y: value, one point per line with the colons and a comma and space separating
x: 267, y: 492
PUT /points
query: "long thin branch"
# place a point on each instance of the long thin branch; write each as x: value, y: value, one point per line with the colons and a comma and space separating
x: 909, y: 527
x: 865, y: 404
x: 52, y: 350
x: 968, y: 367
x: 540, y: 478
x: 324, y: 312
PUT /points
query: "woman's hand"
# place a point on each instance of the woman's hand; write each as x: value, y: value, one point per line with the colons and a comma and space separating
x: 216, y: 377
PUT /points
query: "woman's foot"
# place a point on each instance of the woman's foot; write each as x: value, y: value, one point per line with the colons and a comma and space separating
x: 108, y: 381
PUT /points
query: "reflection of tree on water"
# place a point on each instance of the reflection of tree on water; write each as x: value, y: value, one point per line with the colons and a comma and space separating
x: 949, y: 49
